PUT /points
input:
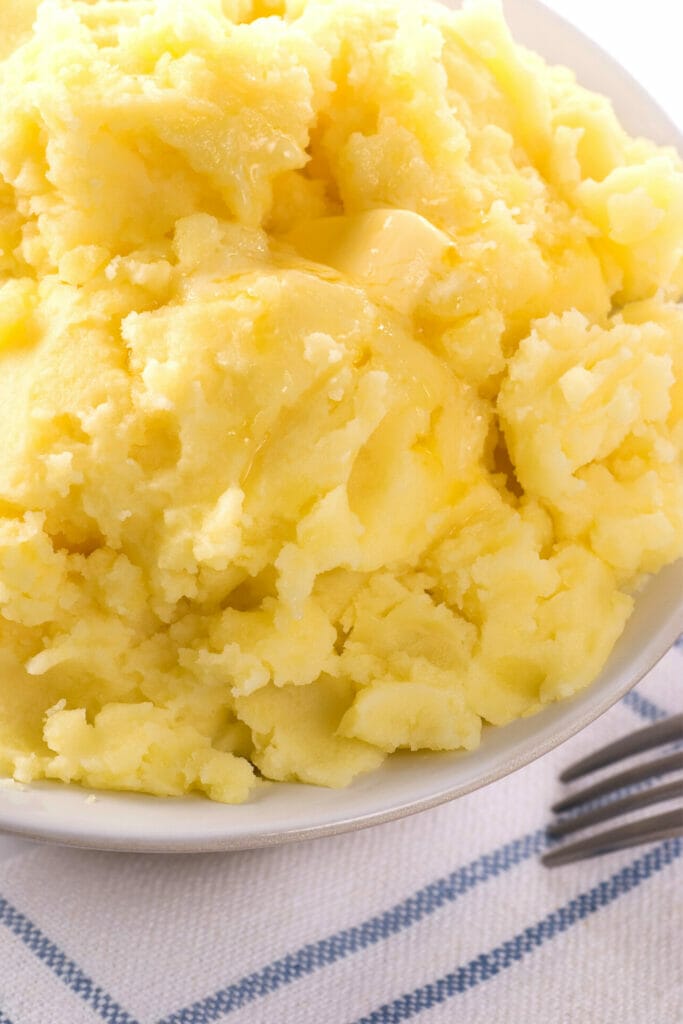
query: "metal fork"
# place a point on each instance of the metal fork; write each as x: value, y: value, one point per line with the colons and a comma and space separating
x: 604, y: 801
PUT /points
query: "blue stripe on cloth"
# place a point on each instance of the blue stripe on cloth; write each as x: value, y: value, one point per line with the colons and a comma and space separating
x: 4, y: 1019
x: 488, y: 965
x: 59, y: 963
x: 338, y: 946
x: 645, y: 708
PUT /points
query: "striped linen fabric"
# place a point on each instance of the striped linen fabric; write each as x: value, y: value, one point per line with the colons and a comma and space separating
x: 447, y: 916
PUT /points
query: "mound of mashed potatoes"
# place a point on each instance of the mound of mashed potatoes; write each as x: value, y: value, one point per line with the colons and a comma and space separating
x: 341, y: 386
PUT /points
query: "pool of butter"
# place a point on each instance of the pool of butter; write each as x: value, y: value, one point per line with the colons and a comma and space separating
x: 341, y: 386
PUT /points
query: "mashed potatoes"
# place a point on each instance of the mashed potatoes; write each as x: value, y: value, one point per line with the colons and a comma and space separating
x: 341, y: 386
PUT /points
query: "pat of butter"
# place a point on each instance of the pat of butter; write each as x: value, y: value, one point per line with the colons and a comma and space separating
x: 393, y: 253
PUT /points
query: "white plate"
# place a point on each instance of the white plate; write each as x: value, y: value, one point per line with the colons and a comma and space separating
x: 405, y: 783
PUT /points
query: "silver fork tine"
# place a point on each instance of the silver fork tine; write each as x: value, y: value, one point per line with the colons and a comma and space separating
x: 633, y: 802
x: 639, y: 773
x: 651, y: 830
x: 668, y: 731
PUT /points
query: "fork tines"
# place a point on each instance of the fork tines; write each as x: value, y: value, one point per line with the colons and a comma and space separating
x: 652, y: 829
x: 667, y: 731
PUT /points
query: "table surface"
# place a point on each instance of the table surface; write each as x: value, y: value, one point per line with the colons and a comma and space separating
x: 650, y: 51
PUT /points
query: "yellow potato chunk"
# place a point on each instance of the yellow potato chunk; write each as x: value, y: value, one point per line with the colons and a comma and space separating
x: 341, y: 386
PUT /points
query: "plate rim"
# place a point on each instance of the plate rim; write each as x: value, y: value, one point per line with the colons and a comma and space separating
x: 16, y: 820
